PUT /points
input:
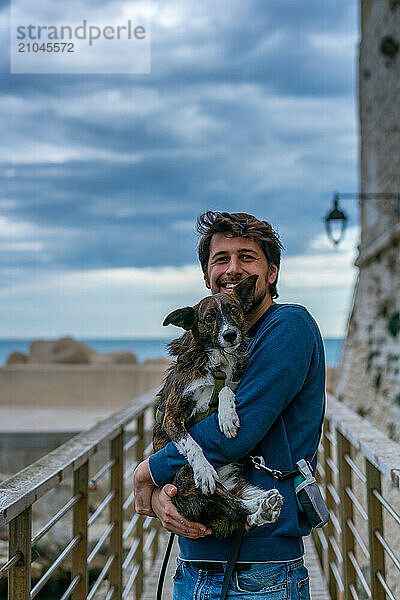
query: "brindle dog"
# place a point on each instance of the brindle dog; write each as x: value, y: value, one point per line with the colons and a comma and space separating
x: 214, y: 341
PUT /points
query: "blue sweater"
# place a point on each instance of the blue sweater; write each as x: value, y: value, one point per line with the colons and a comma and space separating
x: 281, y: 403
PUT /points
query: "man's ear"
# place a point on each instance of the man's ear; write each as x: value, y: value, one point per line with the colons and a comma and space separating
x: 182, y: 317
x: 244, y: 292
x: 273, y: 273
x: 207, y: 281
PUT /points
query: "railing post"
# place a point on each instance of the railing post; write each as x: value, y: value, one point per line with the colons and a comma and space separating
x: 375, y: 523
x: 79, y: 527
x: 330, y: 503
x: 20, y: 535
x: 116, y: 515
x: 346, y: 512
x: 140, y: 445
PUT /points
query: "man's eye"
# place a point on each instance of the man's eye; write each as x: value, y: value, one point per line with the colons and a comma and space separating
x: 247, y: 257
x: 209, y: 318
x: 234, y: 310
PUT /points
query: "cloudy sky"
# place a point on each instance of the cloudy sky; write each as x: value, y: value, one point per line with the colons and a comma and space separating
x: 249, y: 107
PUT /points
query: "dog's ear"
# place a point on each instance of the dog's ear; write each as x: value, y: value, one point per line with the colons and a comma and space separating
x: 244, y: 292
x: 182, y: 317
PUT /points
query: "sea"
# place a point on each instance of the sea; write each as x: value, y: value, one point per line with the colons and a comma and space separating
x: 146, y: 348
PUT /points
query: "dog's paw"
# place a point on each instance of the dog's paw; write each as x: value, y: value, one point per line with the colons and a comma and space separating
x: 228, y: 419
x: 205, y: 478
x: 268, y: 510
x: 230, y: 427
x: 270, y: 507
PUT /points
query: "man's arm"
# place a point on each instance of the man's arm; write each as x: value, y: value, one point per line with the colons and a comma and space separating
x: 277, y: 369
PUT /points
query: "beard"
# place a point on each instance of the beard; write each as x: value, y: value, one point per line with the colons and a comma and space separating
x: 259, y: 297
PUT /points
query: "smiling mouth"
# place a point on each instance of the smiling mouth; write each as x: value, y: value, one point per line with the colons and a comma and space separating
x: 227, y: 287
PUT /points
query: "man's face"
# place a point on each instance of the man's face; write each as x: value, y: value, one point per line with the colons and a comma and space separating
x: 232, y: 259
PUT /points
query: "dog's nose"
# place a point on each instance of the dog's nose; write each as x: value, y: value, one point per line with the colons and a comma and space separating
x: 229, y: 335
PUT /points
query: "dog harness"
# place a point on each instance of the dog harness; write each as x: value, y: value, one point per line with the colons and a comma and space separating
x: 219, y: 383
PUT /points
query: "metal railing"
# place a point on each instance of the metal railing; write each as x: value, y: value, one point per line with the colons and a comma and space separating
x: 124, y: 537
x: 359, y: 469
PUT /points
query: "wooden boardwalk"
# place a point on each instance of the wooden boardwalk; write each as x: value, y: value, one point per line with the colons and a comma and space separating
x: 318, y: 587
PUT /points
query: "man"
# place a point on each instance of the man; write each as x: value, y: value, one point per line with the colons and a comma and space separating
x: 280, y: 404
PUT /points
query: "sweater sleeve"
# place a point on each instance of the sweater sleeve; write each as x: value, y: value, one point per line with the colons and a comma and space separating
x: 278, y: 366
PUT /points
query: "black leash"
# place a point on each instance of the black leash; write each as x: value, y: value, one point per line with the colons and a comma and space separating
x: 233, y: 554
x: 164, y: 566
x: 259, y: 463
x: 230, y: 565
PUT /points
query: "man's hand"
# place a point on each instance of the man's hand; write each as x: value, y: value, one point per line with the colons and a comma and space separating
x: 156, y: 502
x: 143, y: 487
x: 169, y: 516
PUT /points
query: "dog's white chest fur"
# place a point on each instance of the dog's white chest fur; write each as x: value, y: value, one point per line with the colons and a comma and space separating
x: 201, y: 389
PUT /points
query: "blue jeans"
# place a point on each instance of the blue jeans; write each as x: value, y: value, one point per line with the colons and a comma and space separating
x: 268, y: 581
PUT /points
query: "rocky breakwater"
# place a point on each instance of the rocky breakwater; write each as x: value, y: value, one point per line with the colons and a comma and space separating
x: 69, y: 351
x: 67, y: 373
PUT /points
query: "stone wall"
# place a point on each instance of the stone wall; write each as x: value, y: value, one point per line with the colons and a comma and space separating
x: 370, y: 370
x: 85, y: 386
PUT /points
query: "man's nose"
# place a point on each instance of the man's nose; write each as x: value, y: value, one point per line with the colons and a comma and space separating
x: 234, y: 266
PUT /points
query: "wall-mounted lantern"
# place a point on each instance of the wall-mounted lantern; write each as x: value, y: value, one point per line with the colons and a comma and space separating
x: 336, y: 219
x: 335, y: 222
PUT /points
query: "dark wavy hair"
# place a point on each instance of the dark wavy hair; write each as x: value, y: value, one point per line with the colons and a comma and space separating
x: 239, y: 225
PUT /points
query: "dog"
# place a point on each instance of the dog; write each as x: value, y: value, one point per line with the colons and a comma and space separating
x: 214, y: 341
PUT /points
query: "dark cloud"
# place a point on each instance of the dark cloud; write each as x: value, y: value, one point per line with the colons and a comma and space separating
x: 251, y: 109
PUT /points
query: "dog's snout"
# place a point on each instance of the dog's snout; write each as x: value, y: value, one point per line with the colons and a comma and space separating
x: 229, y: 335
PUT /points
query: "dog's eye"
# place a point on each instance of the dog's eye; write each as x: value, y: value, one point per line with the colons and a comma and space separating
x: 234, y: 311
x: 209, y: 318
